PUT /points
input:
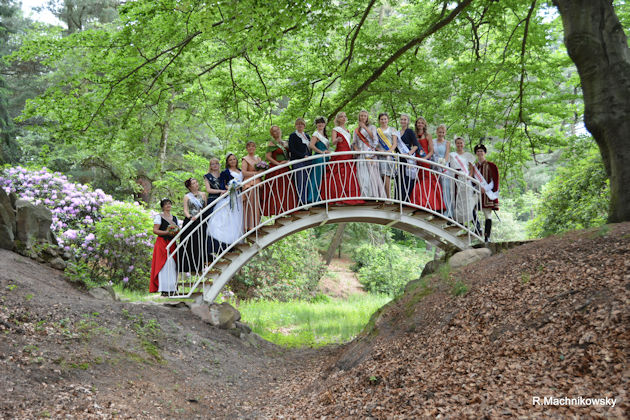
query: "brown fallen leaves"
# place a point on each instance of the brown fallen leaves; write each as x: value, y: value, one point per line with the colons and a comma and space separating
x: 549, y: 318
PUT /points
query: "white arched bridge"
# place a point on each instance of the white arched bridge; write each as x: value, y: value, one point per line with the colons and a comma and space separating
x: 342, y: 187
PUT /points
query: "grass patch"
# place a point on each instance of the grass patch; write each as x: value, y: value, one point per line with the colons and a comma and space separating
x: 312, y: 324
x: 459, y: 288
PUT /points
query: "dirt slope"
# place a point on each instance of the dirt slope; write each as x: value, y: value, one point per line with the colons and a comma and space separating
x: 546, y: 319
x: 64, y: 353
x: 549, y: 318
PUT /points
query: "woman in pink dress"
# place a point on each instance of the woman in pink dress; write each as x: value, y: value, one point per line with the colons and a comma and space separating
x: 427, y: 191
x: 278, y: 192
x: 341, y: 177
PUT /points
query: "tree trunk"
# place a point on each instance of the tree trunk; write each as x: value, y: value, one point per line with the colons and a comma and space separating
x: 598, y: 46
x: 335, y: 242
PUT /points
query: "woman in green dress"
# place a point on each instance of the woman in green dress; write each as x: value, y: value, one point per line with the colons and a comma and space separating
x: 319, y: 146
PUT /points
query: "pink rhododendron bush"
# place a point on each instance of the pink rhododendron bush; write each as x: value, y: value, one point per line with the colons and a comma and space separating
x: 111, y: 241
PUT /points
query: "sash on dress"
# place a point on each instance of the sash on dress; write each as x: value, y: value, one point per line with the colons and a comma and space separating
x: 461, y: 164
x: 196, y: 203
x: 304, y: 139
x: 344, y: 134
x: 383, y: 140
x: 321, y: 138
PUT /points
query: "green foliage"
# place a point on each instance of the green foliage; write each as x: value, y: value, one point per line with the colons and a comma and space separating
x: 576, y: 198
x: 122, y: 249
x: 313, y: 324
x: 124, y: 245
x: 289, y: 269
x: 388, y: 268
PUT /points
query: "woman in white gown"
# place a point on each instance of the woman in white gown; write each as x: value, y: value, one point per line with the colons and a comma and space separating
x: 460, y: 161
x: 226, y: 223
x: 365, y: 140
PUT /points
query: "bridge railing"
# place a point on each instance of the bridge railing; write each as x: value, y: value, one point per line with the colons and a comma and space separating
x: 335, y: 179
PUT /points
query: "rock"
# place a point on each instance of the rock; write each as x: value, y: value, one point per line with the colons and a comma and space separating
x: 468, y: 256
x: 243, y: 327
x: 33, y: 223
x: 58, y: 263
x: 103, y: 293
x: 203, y: 312
x: 225, y: 314
x: 7, y: 222
x: 431, y: 267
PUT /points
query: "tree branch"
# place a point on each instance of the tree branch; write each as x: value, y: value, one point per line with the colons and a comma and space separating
x: 356, y: 30
x: 412, y: 43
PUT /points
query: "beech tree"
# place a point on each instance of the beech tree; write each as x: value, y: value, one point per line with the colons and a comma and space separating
x: 598, y: 46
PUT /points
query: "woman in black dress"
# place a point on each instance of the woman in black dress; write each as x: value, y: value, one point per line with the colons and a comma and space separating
x: 194, y: 202
x: 211, y: 180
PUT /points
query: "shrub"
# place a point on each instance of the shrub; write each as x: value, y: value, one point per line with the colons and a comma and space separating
x: 577, y: 198
x: 109, y: 239
x: 388, y: 268
x: 289, y: 269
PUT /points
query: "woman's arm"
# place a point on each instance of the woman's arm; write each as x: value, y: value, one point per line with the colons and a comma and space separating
x: 211, y: 190
x: 270, y: 158
x: 186, y: 213
x: 448, y: 151
x: 157, y: 231
x: 247, y: 173
x: 314, y: 148
x: 430, y: 144
x: 333, y: 138
x: 394, y: 141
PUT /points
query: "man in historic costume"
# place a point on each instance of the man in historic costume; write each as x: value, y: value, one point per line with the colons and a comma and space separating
x: 487, y: 174
x: 298, y: 149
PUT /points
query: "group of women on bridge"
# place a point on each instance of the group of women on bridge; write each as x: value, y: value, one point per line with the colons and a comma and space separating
x: 362, y: 169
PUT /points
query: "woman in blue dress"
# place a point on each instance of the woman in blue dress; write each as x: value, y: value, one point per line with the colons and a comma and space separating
x: 319, y: 146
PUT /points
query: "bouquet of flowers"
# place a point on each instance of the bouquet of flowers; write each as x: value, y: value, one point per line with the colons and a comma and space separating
x: 262, y: 166
x: 233, y: 187
x: 172, y: 230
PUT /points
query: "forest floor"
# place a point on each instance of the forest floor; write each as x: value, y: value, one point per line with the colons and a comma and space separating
x: 545, y: 319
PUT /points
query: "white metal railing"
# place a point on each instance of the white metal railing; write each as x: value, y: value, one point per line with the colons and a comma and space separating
x: 274, y: 194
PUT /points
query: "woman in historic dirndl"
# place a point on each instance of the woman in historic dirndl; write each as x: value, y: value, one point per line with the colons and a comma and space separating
x: 460, y: 161
x: 341, y: 177
x: 163, y: 269
x: 193, y: 235
x: 251, y: 197
x: 407, y: 145
x: 364, y: 140
x: 387, y: 142
x: 319, y: 146
x: 442, y: 149
x: 226, y: 224
x: 427, y: 191
x: 279, y: 191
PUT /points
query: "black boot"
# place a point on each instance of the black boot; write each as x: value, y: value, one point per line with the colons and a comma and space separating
x: 487, y: 230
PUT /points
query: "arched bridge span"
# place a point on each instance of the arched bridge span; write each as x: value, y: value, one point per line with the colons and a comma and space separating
x: 415, y: 205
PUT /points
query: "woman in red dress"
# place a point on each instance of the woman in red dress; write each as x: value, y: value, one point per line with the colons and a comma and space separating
x: 427, y: 191
x: 279, y: 191
x: 341, y: 173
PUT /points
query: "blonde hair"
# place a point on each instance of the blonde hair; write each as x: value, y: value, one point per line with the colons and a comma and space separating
x: 337, y: 117
x: 367, y: 122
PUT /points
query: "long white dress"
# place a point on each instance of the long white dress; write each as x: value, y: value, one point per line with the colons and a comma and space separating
x: 167, y: 277
x: 368, y: 175
x: 464, y: 196
x: 226, y: 223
